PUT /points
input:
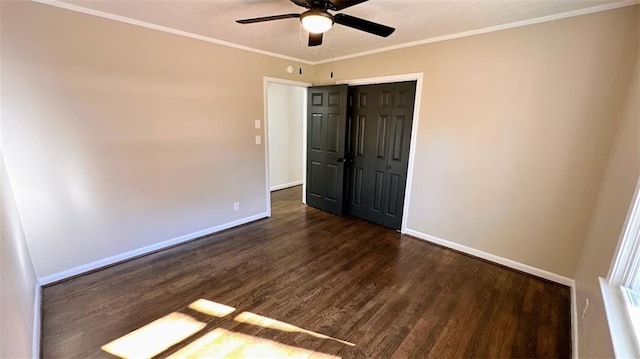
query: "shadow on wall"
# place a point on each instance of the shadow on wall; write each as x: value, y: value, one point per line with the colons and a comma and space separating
x: 19, y: 289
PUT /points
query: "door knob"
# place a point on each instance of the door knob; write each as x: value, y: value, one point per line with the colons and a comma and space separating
x: 341, y: 160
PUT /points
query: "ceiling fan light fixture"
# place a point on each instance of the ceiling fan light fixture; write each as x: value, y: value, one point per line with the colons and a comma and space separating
x: 316, y: 21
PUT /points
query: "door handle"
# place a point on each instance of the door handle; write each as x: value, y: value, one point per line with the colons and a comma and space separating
x: 341, y: 160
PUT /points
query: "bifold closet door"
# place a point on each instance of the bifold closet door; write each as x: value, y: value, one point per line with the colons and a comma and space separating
x: 381, y: 118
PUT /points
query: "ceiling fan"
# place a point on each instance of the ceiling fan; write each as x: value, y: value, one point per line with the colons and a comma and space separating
x: 317, y: 20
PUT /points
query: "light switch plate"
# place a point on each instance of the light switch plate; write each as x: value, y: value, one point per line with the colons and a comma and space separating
x: 258, y: 139
x: 258, y: 123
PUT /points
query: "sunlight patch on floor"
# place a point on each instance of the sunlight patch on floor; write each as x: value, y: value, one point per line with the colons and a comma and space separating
x: 266, y: 322
x: 212, y: 308
x: 222, y: 343
x: 162, y: 334
x: 155, y: 337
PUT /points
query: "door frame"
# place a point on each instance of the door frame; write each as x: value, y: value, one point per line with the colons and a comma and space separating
x: 417, y: 76
x: 265, y: 83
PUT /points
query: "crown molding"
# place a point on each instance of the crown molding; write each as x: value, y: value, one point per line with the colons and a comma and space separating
x: 538, y: 20
x: 130, y: 21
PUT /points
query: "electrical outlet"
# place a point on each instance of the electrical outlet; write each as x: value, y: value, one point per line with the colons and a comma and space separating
x: 258, y: 139
x: 586, y: 306
x: 236, y: 206
x: 258, y: 124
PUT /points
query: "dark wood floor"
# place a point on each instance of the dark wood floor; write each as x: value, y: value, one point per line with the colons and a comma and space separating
x: 318, y: 275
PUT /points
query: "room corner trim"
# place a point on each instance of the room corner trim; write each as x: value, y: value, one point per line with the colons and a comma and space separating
x: 37, y: 321
x: 285, y: 185
x: 101, y: 263
x: 492, y: 258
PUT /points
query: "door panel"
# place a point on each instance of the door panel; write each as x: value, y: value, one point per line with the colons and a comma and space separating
x: 394, y: 189
x: 316, y: 132
x: 333, y: 133
x: 314, y: 187
x: 357, y: 187
x: 333, y: 183
x: 381, y: 120
x: 361, y: 122
x: 396, y: 143
x: 398, y: 152
x: 378, y: 191
x: 381, y: 149
x: 326, y: 134
x: 371, y: 112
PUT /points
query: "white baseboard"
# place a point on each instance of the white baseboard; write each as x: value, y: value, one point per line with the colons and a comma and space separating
x: 493, y: 258
x: 285, y: 185
x: 574, y: 321
x: 145, y: 250
x: 37, y: 322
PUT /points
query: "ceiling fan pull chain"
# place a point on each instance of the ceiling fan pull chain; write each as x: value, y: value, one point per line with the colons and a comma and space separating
x: 332, y: 53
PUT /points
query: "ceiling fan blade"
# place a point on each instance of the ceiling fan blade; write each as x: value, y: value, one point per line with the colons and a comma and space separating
x: 343, y: 4
x: 315, y: 39
x: 267, y: 18
x: 303, y: 3
x: 364, y: 25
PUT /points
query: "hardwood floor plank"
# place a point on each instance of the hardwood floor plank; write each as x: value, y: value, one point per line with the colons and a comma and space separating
x: 304, y: 280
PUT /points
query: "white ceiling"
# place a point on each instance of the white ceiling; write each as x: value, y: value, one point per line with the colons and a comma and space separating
x: 414, y: 20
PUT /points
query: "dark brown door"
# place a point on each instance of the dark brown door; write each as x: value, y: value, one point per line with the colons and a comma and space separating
x: 381, y: 117
x: 326, y: 135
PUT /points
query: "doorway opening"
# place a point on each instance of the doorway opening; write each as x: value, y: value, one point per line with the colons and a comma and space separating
x: 285, y: 110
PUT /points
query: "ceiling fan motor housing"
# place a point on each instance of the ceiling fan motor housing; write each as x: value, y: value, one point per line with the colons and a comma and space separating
x: 316, y: 21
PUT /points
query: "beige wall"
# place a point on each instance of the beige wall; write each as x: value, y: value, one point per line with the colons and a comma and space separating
x: 614, y: 200
x: 514, y: 133
x: 17, y: 279
x: 123, y: 137
x: 285, y: 115
x: 119, y: 137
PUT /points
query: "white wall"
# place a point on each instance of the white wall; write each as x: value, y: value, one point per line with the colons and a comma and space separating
x: 18, y: 282
x: 514, y: 132
x: 614, y: 199
x: 285, y: 113
x: 118, y: 137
